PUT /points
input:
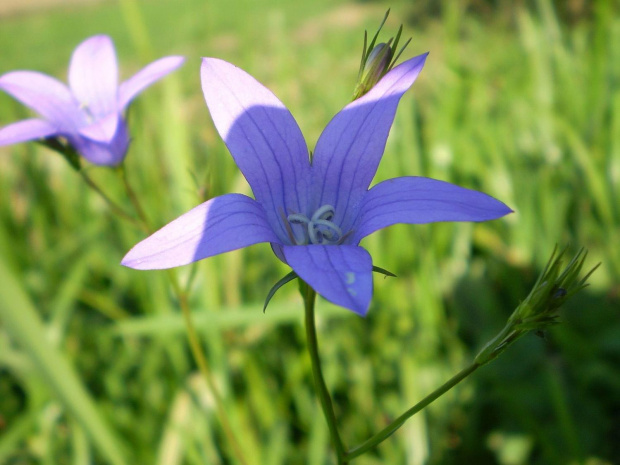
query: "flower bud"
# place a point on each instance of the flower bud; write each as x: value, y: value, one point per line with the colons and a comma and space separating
x: 377, y: 64
x: 540, y: 309
x: 377, y: 60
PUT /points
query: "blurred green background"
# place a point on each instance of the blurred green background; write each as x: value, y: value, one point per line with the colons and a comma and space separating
x: 518, y: 99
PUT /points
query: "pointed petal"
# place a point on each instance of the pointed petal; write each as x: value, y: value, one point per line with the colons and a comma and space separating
x: 262, y: 137
x: 145, y: 77
x: 22, y: 131
x: 103, y: 153
x: 340, y: 273
x: 351, y: 146
x: 47, y: 96
x: 219, y: 225
x: 417, y: 200
x: 103, y: 130
x: 93, y: 75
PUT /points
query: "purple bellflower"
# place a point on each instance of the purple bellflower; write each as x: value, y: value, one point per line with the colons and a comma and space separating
x: 89, y: 112
x: 313, y: 212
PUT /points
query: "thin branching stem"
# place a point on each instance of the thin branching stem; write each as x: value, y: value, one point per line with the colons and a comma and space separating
x: 133, y: 198
x: 111, y: 203
x: 182, y: 297
x: 203, y: 366
x: 400, y: 421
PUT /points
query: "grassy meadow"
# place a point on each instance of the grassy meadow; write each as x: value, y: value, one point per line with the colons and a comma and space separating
x: 519, y: 99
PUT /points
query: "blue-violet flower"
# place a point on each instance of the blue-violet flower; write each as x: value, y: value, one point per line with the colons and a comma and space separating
x: 89, y: 112
x: 313, y: 212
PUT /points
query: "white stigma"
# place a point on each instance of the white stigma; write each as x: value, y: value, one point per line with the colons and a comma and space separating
x: 318, y: 229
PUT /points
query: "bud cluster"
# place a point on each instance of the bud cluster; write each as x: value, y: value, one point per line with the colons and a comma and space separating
x: 540, y: 309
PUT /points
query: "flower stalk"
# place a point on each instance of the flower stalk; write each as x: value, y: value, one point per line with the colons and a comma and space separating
x: 133, y: 198
x: 390, y: 429
x: 203, y: 366
x: 309, y: 296
x: 180, y: 293
x: 192, y: 335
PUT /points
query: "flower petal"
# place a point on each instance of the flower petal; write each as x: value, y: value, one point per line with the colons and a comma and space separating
x: 350, y: 148
x: 262, y: 137
x: 103, y: 130
x: 340, y: 273
x: 145, y: 77
x: 103, y: 153
x: 417, y: 200
x: 29, y: 129
x: 47, y: 96
x: 93, y: 76
x: 219, y: 225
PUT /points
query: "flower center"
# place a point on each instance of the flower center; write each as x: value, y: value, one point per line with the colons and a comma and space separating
x: 90, y: 118
x: 318, y: 229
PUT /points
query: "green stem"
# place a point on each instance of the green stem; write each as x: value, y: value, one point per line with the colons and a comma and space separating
x: 181, y: 295
x: 192, y: 335
x: 392, y: 427
x: 133, y: 198
x: 113, y: 205
x: 313, y: 348
x: 194, y: 343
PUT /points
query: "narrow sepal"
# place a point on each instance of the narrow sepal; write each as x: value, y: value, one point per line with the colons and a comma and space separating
x: 383, y: 271
x: 276, y: 287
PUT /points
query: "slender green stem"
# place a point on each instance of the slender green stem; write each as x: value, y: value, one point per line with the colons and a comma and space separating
x: 113, y: 205
x: 201, y: 360
x: 392, y: 427
x: 133, y: 198
x: 192, y: 335
x: 181, y: 295
x: 319, y: 383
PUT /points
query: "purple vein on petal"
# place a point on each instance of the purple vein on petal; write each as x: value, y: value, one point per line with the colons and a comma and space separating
x: 365, y: 144
x: 250, y: 129
x: 273, y: 152
x: 219, y: 225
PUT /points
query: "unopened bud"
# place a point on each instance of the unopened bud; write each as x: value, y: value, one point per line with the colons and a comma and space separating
x: 377, y: 60
x: 540, y: 309
x: 377, y: 64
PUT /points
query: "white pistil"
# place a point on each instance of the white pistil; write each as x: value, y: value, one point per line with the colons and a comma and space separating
x: 319, y: 228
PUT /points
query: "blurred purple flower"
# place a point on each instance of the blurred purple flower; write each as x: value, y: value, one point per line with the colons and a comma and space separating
x: 314, y: 213
x: 88, y: 113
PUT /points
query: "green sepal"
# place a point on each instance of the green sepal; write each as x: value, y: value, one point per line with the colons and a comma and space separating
x: 368, y: 47
x: 383, y: 271
x: 287, y: 279
x: 66, y: 150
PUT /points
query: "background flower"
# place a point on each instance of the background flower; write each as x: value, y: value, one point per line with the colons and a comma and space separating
x: 89, y: 112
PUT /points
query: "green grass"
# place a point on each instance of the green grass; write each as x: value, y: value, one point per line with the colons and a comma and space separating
x: 521, y: 102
